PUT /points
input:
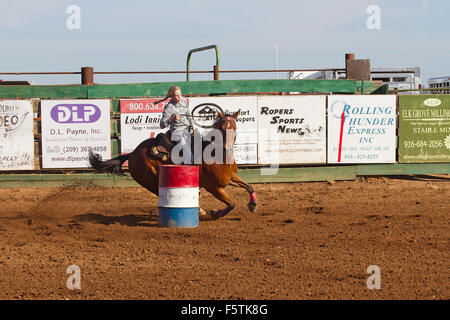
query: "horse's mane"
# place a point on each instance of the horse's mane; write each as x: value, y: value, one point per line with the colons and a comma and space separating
x: 226, y: 114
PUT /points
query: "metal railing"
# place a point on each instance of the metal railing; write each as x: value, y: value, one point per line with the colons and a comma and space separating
x: 87, y: 73
x: 216, y: 67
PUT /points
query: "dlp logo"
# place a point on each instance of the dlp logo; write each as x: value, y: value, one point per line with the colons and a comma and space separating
x: 75, y: 113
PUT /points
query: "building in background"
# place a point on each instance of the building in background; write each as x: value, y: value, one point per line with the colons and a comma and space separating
x: 398, y: 78
x: 439, y: 82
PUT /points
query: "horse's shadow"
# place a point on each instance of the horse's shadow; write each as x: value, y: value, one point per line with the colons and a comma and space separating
x: 131, y: 220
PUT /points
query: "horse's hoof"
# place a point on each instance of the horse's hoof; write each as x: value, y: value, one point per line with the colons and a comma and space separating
x: 214, y: 215
x: 218, y: 214
x: 252, y: 207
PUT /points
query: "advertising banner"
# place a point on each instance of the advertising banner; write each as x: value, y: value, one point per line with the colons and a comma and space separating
x: 139, y: 120
x: 291, y: 129
x: 70, y: 128
x: 424, y: 128
x: 361, y: 129
x: 16, y: 135
x: 203, y: 111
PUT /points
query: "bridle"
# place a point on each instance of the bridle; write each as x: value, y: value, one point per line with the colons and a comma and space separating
x: 225, y: 118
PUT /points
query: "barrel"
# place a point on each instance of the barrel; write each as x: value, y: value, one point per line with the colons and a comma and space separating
x: 178, y: 196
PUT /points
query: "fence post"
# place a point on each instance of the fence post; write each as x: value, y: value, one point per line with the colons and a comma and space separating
x: 348, y: 56
x: 216, y: 72
x: 87, y: 75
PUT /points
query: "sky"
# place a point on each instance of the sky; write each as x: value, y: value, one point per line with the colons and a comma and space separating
x: 156, y: 35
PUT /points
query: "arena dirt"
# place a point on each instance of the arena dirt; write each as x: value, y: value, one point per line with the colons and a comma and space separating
x: 306, y: 241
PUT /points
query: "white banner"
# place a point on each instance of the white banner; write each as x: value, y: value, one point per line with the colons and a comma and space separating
x: 361, y: 129
x: 139, y: 120
x: 291, y: 129
x: 203, y: 111
x: 70, y: 128
x: 16, y: 135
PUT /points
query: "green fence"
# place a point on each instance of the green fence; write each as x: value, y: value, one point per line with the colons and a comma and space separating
x: 192, y: 87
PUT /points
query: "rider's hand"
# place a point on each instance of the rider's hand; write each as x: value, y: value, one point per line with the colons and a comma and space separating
x: 175, y: 117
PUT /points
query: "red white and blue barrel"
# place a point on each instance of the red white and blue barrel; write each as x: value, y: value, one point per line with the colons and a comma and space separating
x: 178, y: 196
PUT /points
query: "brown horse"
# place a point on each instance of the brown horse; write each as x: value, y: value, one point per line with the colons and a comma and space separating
x: 214, y: 177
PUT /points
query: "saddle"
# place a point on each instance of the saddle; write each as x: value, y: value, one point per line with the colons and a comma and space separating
x: 162, y: 147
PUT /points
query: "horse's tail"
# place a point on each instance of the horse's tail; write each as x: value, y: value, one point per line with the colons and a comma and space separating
x: 113, y: 166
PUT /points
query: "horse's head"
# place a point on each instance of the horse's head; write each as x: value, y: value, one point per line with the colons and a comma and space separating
x: 227, y: 125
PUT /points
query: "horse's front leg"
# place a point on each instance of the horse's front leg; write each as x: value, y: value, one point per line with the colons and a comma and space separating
x: 238, y: 182
x: 221, y: 195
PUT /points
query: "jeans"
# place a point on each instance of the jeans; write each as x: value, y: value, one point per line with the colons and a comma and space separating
x: 182, y: 137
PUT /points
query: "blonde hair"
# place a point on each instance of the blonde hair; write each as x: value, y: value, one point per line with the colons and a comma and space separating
x: 170, y: 94
x: 171, y: 91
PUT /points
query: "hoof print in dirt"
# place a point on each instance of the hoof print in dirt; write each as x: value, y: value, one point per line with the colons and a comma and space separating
x: 316, y: 210
x: 74, y: 225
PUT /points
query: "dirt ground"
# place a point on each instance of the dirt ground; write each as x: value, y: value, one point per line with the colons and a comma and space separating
x: 306, y: 241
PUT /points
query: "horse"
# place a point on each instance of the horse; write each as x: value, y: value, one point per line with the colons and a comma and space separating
x: 213, y: 177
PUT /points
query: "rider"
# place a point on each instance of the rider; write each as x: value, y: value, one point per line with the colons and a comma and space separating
x: 175, y: 115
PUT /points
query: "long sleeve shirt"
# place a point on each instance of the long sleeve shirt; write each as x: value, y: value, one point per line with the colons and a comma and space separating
x: 171, y: 109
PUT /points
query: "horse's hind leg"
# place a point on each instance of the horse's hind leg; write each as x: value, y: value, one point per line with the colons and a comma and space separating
x: 221, y: 195
x: 144, y: 171
x: 238, y: 182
